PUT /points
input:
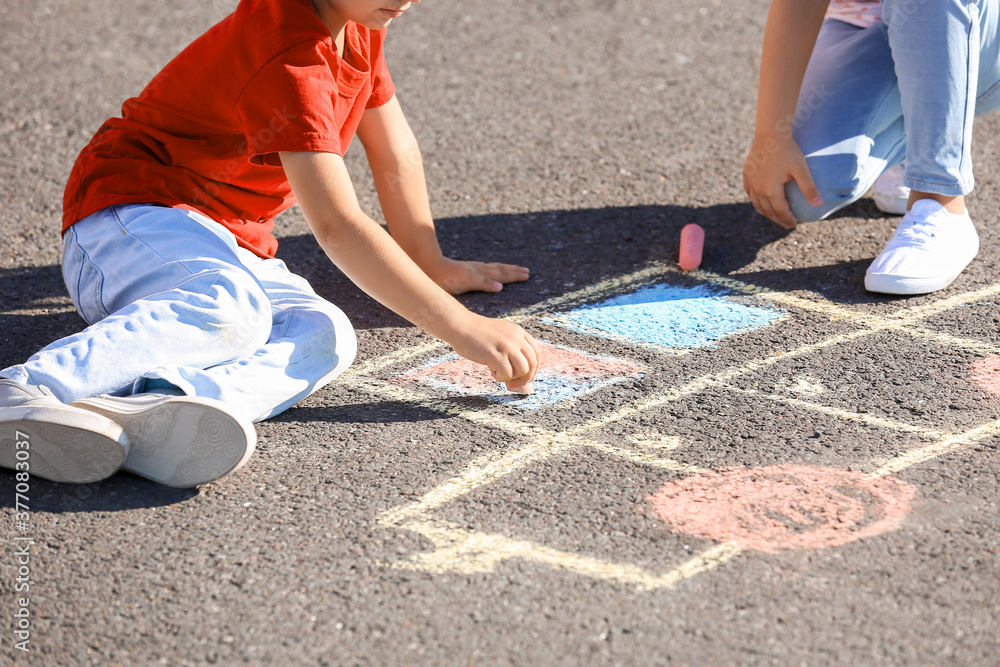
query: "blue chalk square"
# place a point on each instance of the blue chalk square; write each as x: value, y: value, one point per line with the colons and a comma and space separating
x: 668, y: 316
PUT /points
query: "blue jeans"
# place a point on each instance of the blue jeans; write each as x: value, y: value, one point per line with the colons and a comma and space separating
x: 174, y: 303
x: 906, y: 88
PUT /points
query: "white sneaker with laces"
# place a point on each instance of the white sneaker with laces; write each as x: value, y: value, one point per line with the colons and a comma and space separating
x: 178, y: 441
x: 59, y: 442
x: 929, y: 249
x: 889, y: 193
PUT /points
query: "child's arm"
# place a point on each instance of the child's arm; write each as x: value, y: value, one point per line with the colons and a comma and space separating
x: 775, y: 158
x: 369, y: 257
x: 398, y: 170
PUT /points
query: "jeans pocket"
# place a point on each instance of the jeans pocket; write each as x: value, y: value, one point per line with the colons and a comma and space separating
x: 83, y: 279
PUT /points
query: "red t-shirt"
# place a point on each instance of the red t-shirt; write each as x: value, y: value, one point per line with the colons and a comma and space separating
x: 205, y: 133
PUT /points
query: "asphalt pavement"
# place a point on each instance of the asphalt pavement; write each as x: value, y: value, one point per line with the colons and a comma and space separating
x: 757, y: 462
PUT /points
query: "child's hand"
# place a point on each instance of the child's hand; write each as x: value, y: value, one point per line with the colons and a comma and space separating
x: 505, y: 348
x: 457, y: 277
x: 770, y: 164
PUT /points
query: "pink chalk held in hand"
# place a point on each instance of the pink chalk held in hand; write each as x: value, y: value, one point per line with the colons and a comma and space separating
x: 692, y: 242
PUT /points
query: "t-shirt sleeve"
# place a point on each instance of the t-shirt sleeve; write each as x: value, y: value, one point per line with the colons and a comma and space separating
x: 288, y: 106
x: 382, y: 86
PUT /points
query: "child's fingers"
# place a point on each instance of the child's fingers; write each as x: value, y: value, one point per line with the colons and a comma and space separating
x: 504, y: 371
x: 764, y: 203
x: 774, y: 207
x: 521, y: 384
x: 803, y: 178
x: 508, y: 273
x: 535, y: 356
x: 782, y: 213
x: 486, y: 284
x: 519, y: 366
x: 503, y: 273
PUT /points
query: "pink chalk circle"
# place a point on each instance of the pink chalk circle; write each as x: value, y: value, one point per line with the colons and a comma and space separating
x: 782, y: 508
x: 986, y: 374
x: 692, y: 243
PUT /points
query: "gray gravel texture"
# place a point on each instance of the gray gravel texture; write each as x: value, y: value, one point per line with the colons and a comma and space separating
x: 576, y: 137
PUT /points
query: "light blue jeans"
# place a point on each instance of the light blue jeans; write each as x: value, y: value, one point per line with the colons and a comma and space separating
x: 174, y: 303
x: 906, y: 88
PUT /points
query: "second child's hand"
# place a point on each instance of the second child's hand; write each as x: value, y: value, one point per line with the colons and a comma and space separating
x: 775, y: 159
x: 766, y: 172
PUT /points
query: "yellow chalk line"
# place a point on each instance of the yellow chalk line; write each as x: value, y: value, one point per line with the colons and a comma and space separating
x: 835, y: 312
x: 943, y: 305
x: 947, y: 340
x: 468, y: 552
x: 727, y: 282
x: 618, y: 338
x: 480, y: 472
x: 413, y: 516
x: 548, y: 443
x: 642, y: 458
x: 28, y: 312
x: 596, y: 290
x: 544, y: 444
x: 377, y: 364
x: 949, y: 444
x: 390, y: 391
x: 846, y: 415
x: 660, y: 443
x: 714, y: 380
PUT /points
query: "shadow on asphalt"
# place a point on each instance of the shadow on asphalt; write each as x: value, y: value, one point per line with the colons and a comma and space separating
x: 383, y: 412
x: 120, y: 492
x: 374, y: 412
x: 563, y: 249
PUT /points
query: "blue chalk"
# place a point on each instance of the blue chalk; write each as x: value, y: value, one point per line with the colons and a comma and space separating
x: 668, y: 316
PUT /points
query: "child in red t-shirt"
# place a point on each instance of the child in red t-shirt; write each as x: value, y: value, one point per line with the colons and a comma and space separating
x: 196, y: 329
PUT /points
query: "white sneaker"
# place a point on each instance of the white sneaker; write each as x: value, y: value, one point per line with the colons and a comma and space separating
x: 63, y: 443
x: 179, y: 441
x: 890, y: 195
x: 929, y: 249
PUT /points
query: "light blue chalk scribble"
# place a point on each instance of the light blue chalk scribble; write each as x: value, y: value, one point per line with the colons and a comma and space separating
x: 552, y: 384
x: 681, y: 318
x: 552, y: 388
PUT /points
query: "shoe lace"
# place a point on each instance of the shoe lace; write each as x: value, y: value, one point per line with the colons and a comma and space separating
x: 917, y: 231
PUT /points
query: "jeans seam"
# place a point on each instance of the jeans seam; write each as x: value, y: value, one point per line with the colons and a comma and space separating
x: 99, y: 288
x: 970, y: 98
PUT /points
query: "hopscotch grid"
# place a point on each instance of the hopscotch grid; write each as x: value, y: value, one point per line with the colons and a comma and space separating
x: 457, y: 550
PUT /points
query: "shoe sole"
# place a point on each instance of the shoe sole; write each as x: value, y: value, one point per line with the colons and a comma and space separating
x: 882, y: 283
x: 182, y: 443
x: 65, y: 444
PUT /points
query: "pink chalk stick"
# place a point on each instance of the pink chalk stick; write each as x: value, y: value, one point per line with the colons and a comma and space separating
x: 692, y: 242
